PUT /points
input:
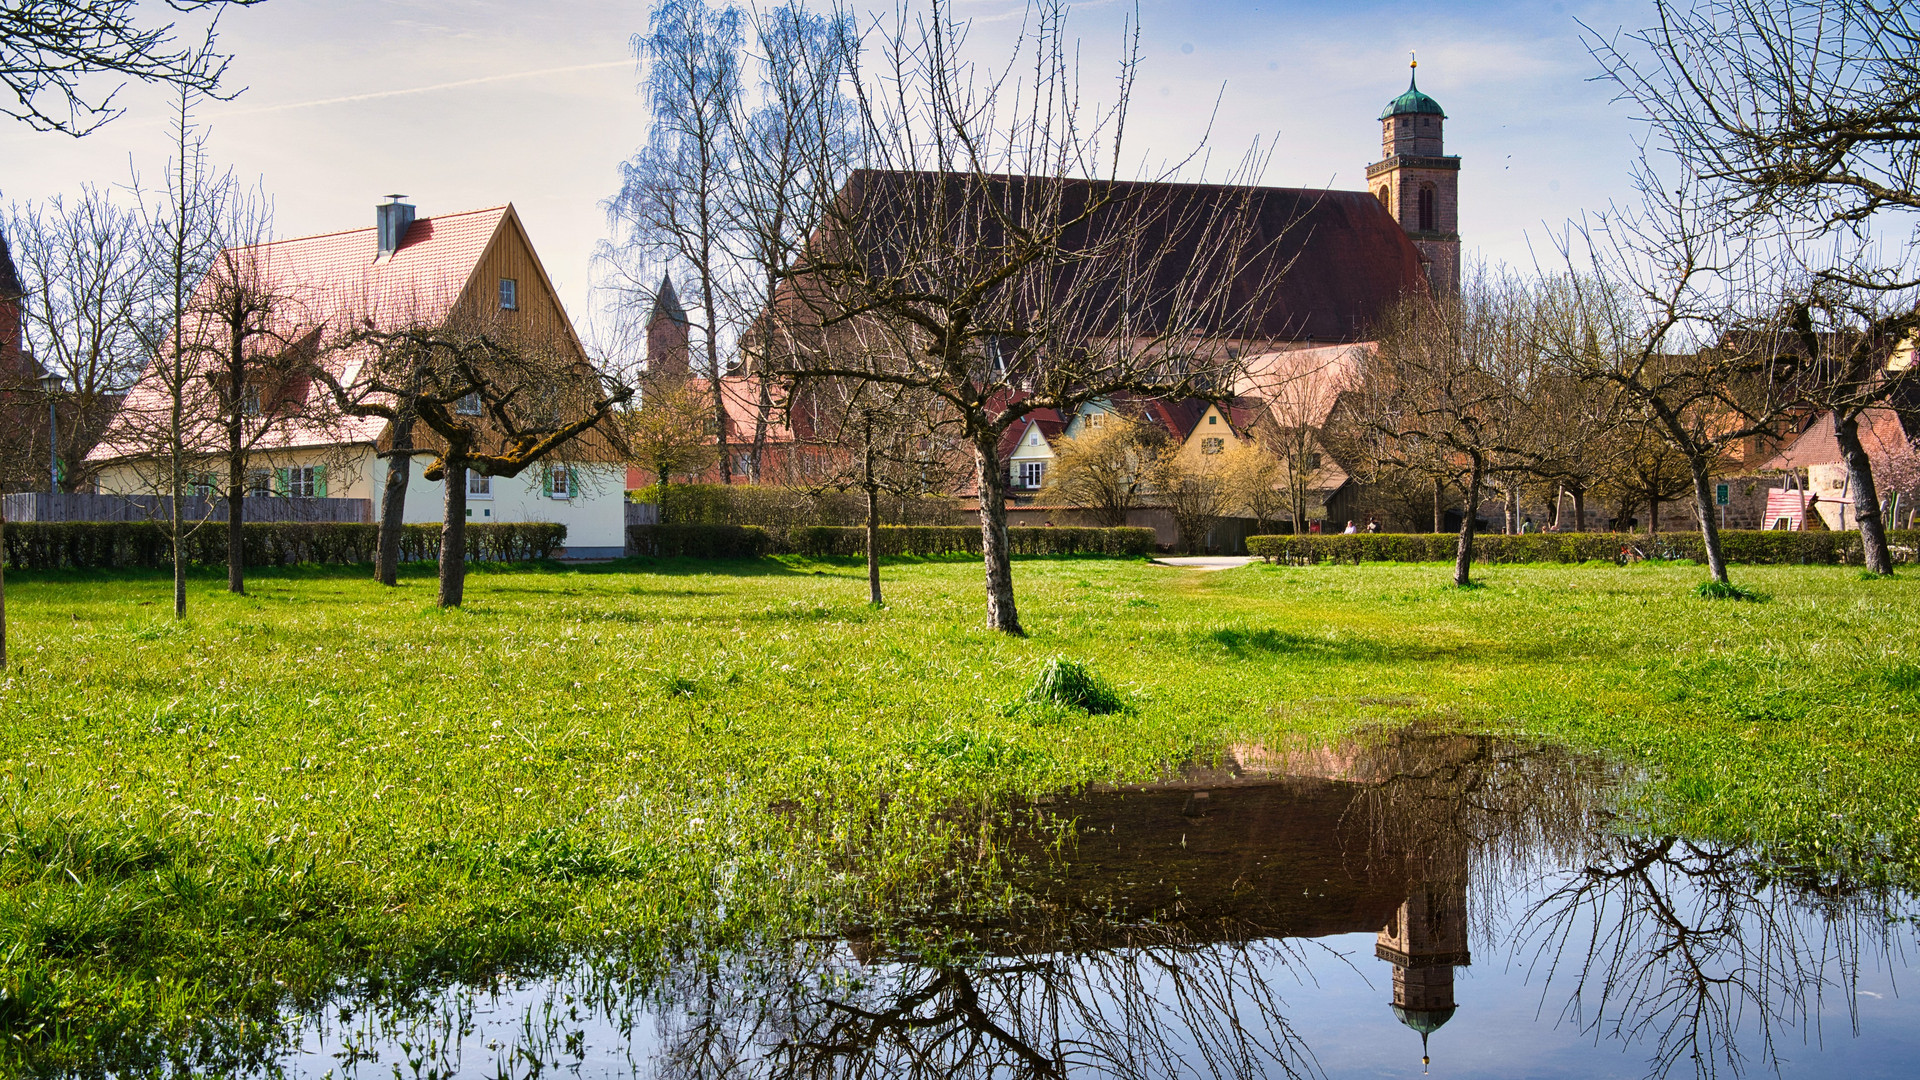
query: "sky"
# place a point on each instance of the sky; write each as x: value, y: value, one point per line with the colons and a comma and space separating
x: 468, y: 103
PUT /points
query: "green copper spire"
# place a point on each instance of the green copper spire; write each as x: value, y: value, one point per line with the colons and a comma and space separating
x: 1413, y: 101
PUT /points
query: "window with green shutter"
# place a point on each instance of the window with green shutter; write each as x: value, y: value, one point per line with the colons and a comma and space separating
x: 282, y: 482
x: 319, y: 481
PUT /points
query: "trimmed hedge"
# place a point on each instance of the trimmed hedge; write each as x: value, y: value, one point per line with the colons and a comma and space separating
x: 699, y: 541
x: 1740, y: 545
x: 778, y: 509
x: 751, y: 541
x: 109, y: 545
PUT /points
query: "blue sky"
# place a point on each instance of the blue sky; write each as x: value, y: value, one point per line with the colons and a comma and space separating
x: 466, y: 103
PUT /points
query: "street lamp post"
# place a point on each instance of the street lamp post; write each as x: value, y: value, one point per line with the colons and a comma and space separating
x: 52, y: 385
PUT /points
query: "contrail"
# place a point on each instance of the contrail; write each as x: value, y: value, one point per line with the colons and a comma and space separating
x: 377, y: 94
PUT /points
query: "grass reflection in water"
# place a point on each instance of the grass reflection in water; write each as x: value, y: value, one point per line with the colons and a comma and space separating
x: 1330, y: 911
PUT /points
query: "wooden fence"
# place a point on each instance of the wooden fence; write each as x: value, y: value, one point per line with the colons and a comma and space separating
x: 41, y: 506
x: 643, y: 513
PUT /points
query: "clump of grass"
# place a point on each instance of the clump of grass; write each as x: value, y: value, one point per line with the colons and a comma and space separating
x: 1727, y: 590
x: 1070, y: 683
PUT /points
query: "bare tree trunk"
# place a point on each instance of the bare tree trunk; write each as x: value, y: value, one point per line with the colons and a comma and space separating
x: 1512, y: 508
x: 994, y: 544
x: 873, y: 512
x: 1579, y: 510
x: 236, y: 494
x: 179, y: 566
x: 453, y: 538
x: 1653, y: 513
x: 1709, y: 528
x: 1439, y: 514
x: 763, y: 408
x: 3, y: 584
x: 393, y: 502
x: 1866, y: 498
x: 1463, y: 553
x: 713, y: 362
x: 873, y: 545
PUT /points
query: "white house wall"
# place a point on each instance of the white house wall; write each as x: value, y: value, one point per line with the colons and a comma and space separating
x: 595, y: 517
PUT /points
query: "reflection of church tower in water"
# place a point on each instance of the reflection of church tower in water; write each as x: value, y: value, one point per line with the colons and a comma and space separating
x: 1425, y: 941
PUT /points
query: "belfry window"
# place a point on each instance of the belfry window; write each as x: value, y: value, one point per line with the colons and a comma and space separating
x: 1427, y: 214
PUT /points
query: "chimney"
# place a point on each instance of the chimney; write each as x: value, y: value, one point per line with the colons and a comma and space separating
x: 392, y: 221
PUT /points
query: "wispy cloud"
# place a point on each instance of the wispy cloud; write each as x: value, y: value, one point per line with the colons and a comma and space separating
x: 454, y: 85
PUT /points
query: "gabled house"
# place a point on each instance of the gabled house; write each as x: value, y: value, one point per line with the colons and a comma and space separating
x: 402, y: 270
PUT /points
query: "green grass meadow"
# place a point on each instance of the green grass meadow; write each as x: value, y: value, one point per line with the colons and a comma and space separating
x: 325, y: 787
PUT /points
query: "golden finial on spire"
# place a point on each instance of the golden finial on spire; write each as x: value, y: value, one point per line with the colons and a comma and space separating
x: 1413, y: 59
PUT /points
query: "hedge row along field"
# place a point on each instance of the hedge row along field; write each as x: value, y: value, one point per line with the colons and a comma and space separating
x: 752, y: 541
x: 116, y: 545
x: 1741, y: 546
x: 778, y: 509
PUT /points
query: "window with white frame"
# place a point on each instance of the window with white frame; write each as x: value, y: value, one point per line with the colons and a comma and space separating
x: 1213, y: 444
x: 468, y: 405
x: 259, y: 483
x: 560, y: 483
x: 204, y: 485
x: 479, y: 485
x: 1032, y: 473
x: 250, y: 401
x: 303, y: 482
x: 509, y: 294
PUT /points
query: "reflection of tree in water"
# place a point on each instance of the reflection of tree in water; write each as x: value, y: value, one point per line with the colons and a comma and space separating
x: 1161, y: 930
x: 1150, y: 1008
x: 1703, y: 951
x: 1150, y: 945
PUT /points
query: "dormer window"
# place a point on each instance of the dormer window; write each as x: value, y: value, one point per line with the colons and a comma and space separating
x: 250, y: 401
x: 509, y: 294
x: 468, y: 405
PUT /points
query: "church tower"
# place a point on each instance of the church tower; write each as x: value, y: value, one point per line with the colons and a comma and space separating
x: 1419, y: 184
x: 667, y: 334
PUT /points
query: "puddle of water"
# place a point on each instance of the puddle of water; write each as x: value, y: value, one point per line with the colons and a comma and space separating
x: 1418, y: 903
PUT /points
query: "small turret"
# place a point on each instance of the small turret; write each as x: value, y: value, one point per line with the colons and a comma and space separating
x: 667, y: 353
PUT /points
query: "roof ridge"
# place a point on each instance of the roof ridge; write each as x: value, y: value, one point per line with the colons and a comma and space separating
x: 371, y: 228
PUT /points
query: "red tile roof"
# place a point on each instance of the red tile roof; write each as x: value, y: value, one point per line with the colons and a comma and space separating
x: 334, y: 280
x: 1880, y: 434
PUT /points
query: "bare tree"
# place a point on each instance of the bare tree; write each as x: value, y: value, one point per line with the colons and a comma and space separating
x: 1796, y: 111
x: 990, y: 237
x: 1438, y: 392
x: 1846, y: 336
x: 164, y: 430
x: 244, y: 335
x: 52, y: 51
x: 880, y: 439
x: 1682, y: 316
x: 677, y: 193
x: 88, y: 300
x: 498, y: 402
x: 795, y: 140
x: 1194, y: 491
x: 1797, y: 117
